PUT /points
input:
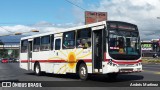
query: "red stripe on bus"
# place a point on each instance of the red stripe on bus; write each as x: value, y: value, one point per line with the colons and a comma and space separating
x: 87, y: 60
x: 25, y: 61
x: 48, y: 60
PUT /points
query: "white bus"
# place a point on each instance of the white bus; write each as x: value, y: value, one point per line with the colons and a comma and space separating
x: 107, y: 47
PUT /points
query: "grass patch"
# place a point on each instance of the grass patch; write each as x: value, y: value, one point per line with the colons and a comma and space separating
x: 156, y: 60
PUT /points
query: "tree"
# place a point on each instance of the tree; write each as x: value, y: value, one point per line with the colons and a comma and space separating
x: 3, y: 52
x: 1, y: 43
x: 15, y: 53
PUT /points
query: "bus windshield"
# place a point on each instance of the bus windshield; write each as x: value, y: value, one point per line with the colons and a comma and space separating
x: 124, y: 44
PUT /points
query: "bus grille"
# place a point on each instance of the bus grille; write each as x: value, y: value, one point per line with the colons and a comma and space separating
x: 126, y: 70
x: 126, y: 65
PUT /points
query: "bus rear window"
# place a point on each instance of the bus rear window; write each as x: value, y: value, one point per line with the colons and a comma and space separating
x: 24, y: 44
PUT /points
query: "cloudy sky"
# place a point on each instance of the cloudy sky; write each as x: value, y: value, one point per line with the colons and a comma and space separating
x: 53, y: 15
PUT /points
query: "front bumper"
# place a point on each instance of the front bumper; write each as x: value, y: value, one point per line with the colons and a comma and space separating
x: 123, y: 68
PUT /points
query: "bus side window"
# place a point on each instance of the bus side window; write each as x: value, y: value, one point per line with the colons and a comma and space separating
x: 57, y: 44
x: 24, y: 46
x: 36, y: 44
x: 69, y: 40
x: 45, y: 43
x: 83, y: 38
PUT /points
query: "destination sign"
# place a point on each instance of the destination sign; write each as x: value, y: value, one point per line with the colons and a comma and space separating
x: 121, y: 26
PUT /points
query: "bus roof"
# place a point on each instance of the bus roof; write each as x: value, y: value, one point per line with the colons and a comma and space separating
x: 121, y: 22
x: 65, y: 30
x: 73, y: 28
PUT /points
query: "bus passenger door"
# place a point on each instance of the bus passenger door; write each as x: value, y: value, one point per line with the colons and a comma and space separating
x: 57, y: 46
x: 97, y: 50
x: 30, y: 55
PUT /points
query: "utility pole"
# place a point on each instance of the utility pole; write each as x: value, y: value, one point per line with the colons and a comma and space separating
x: 159, y: 38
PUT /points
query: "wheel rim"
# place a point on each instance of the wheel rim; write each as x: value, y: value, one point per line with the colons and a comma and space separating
x: 37, y: 69
x: 83, y: 71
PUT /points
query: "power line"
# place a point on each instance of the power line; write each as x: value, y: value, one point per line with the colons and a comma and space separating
x: 75, y: 5
x: 6, y: 29
x: 10, y: 42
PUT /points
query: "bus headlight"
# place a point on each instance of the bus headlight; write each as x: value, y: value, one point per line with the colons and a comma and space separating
x: 114, y: 64
x: 138, y: 64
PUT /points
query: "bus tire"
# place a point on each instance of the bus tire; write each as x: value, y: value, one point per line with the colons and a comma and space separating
x: 37, y: 69
x: 83, y: 72
x: 112, y: 75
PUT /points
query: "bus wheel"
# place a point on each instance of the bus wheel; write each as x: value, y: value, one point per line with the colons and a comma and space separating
x: 83, y: 72
x: 37, y: 69
x: 112, y: 75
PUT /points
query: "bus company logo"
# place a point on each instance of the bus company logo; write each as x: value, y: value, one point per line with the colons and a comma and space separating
x: 6, y: 84
x: 71, y: 57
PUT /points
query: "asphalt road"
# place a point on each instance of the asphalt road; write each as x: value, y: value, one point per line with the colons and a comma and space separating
x: 12, y: 72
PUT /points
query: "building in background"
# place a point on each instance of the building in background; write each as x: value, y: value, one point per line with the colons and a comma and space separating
x: 92, y: 17
x: 150, y: 48
x: 9, y: 50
